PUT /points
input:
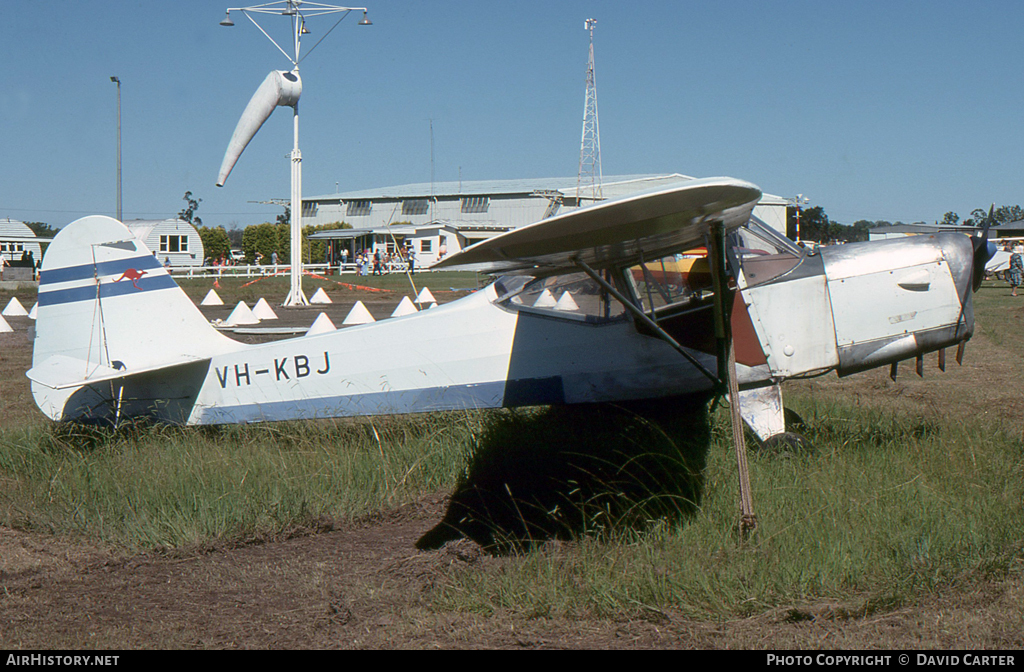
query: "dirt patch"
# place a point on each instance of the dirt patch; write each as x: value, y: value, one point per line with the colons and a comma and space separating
x: 366, y: 586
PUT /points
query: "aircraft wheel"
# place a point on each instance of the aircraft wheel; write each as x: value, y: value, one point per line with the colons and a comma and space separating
x: 793, y: 420
x: 786, y: 444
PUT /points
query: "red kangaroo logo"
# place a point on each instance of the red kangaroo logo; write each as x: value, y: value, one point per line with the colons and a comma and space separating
x: 132, y: 274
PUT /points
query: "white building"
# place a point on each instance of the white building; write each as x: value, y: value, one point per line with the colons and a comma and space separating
x: 17, y: 239
x: 444, y: 217
x: 171, y: 239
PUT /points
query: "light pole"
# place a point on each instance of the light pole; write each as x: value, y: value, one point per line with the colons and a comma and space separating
x: 118, y: 82
x: 283, y: 89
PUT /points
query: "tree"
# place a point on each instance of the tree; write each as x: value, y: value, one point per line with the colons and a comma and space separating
x: 215, y: 242
x: 189, y: 213
x: 235, y: 236
x: 43, y: 231
x: 815, y: 225
x: 265, y: 239
x: 1000, y: 215
x: 949, y: 219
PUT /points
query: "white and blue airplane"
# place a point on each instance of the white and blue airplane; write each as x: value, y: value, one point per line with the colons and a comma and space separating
x: 116, y: 338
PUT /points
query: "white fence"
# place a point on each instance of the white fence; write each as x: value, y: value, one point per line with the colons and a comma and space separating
x: 255, y: 271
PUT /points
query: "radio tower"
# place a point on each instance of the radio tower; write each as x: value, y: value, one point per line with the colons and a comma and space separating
x: 589, y: 176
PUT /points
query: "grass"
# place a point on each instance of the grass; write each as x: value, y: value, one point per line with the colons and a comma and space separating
x: 149, y: 487
x: 892, y: 504
x: 888, y: 506
x: 884, y: 510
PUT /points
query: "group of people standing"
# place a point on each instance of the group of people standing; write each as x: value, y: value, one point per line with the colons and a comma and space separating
x: 379, y: 262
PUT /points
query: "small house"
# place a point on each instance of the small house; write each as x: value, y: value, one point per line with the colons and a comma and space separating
x: 20, y: 249
x: 174, y: 241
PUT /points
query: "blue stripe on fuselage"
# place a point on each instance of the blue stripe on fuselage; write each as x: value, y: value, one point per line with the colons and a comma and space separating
x: 86, y: 271
x: 422, y: 400
x: 107, y: 289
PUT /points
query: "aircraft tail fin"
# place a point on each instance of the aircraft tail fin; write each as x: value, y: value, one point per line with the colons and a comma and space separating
x: 107, y: 308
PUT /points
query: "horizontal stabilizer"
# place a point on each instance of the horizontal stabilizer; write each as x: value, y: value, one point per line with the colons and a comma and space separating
x: 61, y: 372
x: 278, y: 89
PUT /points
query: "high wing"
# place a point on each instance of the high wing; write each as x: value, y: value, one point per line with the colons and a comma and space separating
x: 618, y: 232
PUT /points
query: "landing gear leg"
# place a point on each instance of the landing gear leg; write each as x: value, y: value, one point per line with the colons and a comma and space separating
x: 770, y: 421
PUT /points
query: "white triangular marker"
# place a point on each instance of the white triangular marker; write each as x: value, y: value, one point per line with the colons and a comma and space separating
x: 566, y: 302
x: 240, y: 315
x: 263, y: 311
x: 32, y: 312
x: 320, y: 296
x: 406, y: 307
x: 425, y: 297
x: 211, y: 299
x: 545, y: 300
x: 15, y: 309
x: 358, y: 315
x: 321, y: 325
x: 4, y: 327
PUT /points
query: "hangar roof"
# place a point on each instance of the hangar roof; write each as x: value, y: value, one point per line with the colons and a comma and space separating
x: 491, y: 187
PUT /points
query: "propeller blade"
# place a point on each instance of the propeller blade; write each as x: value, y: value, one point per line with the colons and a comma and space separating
x: 942, y: 360
x: 983, y: 250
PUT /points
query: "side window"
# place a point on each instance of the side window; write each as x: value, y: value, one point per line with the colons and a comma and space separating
x: 675, y: 280
x: 561, y: 295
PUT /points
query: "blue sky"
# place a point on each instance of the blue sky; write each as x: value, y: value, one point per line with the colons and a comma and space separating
x: 896, y: 110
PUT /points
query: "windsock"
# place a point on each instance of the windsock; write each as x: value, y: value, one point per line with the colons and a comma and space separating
x: 280, y: 88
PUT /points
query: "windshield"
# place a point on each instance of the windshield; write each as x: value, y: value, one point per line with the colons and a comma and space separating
x: 761, y: 253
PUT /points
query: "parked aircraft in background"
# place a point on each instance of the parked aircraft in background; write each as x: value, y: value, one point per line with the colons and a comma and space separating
x: 640, y: 322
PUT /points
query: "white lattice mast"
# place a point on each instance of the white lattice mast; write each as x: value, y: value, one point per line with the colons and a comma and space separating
x: 589, y: 177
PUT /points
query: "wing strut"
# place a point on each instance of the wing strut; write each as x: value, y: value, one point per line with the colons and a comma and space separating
x: 727, y: 368
x: 726, y: 359
x: 643, y: 317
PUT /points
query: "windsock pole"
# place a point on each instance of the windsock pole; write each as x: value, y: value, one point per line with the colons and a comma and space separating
x: 295, y: 295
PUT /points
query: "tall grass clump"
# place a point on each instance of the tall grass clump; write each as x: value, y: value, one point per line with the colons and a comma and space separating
x: 156, y: 486
x: 887, y: 507
x: 566, y: 471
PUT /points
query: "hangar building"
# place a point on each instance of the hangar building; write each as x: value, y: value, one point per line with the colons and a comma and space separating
x: 444, y: 217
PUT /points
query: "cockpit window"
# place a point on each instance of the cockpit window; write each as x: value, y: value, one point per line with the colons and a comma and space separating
x: 677, y: 279
x: 762, y: 254
x: 574, y: 294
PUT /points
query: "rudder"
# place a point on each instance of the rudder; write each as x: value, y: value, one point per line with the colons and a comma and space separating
x: 106, y: 303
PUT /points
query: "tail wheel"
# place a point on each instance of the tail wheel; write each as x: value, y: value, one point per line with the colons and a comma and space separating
x: 786, y: 444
